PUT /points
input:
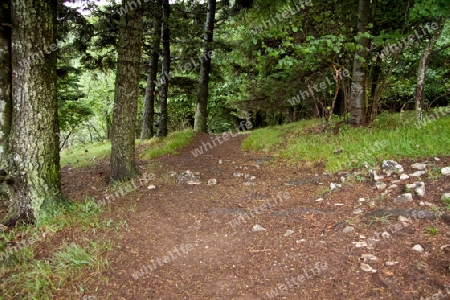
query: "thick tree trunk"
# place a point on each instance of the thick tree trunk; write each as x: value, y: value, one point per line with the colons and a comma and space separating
x: 165, y: 70
x: 34, y: 166
x: 358, y: 87
x: 126, y: 92
x: 420, y: 87
x: 5, y: 81
x: 149, y: 99
x: 201, y: 112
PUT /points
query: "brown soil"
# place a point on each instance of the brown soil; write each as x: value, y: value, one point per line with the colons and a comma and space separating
x: 227, y: 263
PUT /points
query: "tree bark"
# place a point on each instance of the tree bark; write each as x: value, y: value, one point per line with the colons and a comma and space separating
x: 149, y: 99
x: 165, y: 70
x: 201, y: 112
x: 5, y: 81
x: 420, y: 87
x: 34, y: 165
x: 358, y: 86
x: 123, y: 134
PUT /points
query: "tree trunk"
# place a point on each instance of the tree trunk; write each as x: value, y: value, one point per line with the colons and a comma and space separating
x: 5, y: 81
x: 358, y: 87
x: 420, y: 87
x: 123, y: 134
x: 149, y: 99
x: 165, y: 70
x: 201, y: 112
x: 34, y: 166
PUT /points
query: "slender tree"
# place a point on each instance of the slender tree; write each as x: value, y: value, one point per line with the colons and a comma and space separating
x: 421, y: 70
x: 358, y: 87
x: 150, y: 91
x: 165, y: 70
x: 123, y: 134
x: 34, y: 167
x: 201, y: 112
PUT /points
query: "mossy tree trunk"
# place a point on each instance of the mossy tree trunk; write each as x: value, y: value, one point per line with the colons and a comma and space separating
x: 123, y: 134
x: 34, y: 166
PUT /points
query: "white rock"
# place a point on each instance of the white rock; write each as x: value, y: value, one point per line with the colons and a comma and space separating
x: 220, y: 161
x: 418, y: 248
x: 257, y: 228
x: 437, y: 159
x: 390, y: 166
x: 339, y: 204
x: 380, y: 185
x: 403, y: 219
x: 411, y: 186
x: 212, y: 181
x: 348, y: 229
x: 288, y: 232
x: 342, y: 179
x: 417, y: 174
x: 360, y: 244
x: 248, y: 183
x: 404, y: 177
x: 362, y: 236
x: 358, y: 211
x: 368, y: 257
x: 391, y: 263
x: 151, y: 187
x: 238, y: 174
x: 319, y: 199
x: 396, y: 181
x: 362, y: 200
x: 385, y: 235
x: 445, y: 171
x: 404, y: 198
x: 300, y: 241
x: 392, y: 186
x: 367, y: 268
x: 419, y: 166
x: 425, y: 203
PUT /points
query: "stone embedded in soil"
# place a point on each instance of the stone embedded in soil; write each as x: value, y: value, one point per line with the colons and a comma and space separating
x: 404, y: 177
x: 358, y: 211
x: 360, y: 244
x: 151, y: 187
x: 367, y: 268
x: 258, y: 228
x: 403, y: 219
x: 418, y: 248
x: 380, y: 185
x: 392, y: 186
x: 212, y: 181
x: 419, y: 166
x: 404, y: 198
x: 391, y: 263
x: 319, y: 199
x: 417, y: 174
x: 437, y: 159
x: 425, y: 203
x: 348, y: 229
x: 248, y: 183
x: 238, y: 174
x: 189, y: 177
x: 288, y: 232
x: 334, y: 186
x: 419, y: 188
x: 446, y: 197
x: 391, y: 166
x: 220, y: 161
x: 445, y: 171
x: 368, y: 257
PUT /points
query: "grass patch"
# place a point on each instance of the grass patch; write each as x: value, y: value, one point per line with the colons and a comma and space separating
x: 169, y: 145
x: 26, y: 277
x: 84, y: 155
x: 391, y: 136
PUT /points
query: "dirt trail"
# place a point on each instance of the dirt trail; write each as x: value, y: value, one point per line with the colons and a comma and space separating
x: 209, y: 259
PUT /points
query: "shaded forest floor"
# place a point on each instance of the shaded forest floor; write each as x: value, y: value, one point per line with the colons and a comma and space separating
x: 216, y: 261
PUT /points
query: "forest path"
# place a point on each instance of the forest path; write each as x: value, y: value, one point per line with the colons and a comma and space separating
x: 176, y: 241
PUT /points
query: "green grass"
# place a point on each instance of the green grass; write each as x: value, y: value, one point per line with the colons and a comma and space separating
x: 170, y: 145
x: 85, y: 155
x: 26, y: 277
x: 78, y: 157
x: 389, y: 137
